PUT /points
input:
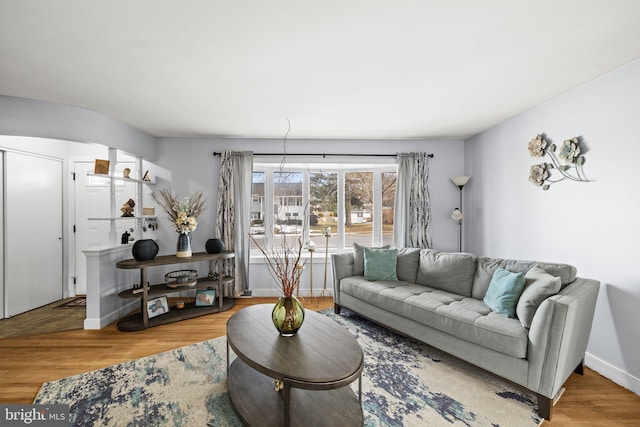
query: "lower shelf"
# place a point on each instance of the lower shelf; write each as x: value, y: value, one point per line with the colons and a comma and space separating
x: 258, y: 404
x: 134, y: 322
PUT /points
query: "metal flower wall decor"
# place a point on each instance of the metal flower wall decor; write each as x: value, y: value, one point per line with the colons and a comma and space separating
x: 567, y: 162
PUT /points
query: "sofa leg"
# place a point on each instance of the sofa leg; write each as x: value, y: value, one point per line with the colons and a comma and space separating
x: 336, y: 308
x: 545, y: 405
x: 580, y: 368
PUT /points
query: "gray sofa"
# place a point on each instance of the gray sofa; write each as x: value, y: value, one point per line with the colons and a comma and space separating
x: 438, y: 299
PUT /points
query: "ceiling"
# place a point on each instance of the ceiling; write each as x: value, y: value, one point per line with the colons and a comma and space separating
x: 362, y: 69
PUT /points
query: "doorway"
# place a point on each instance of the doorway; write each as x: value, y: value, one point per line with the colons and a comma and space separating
x: 93, y: 200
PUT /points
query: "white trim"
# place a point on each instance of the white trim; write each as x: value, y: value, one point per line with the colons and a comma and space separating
x: 99, y: 323
x: 613, y: 373
x: 304, y: 293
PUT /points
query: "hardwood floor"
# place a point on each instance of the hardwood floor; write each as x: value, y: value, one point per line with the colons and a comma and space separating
x: 27, y: 362
x: 44, y: 320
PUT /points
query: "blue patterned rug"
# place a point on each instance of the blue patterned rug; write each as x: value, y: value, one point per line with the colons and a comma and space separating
x: 405, y: 383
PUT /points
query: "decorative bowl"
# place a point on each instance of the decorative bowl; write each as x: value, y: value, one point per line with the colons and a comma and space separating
x: 179, y: 278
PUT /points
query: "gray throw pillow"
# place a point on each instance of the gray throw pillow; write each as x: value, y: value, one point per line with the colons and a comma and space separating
x: 539, y: 286
x: 358, y: 258
x: 408, y: 262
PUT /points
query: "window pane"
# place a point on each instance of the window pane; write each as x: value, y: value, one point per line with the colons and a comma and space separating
x: 323, y: 208
x: 257, y: 209
x: 358, y: 206
x: 388, y: 203
x: 287, y: 200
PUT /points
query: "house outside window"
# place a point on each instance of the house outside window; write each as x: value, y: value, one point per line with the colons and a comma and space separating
x: 355, y: 201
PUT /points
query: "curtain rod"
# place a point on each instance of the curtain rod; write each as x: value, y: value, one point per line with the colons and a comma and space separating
x: 215, y: 153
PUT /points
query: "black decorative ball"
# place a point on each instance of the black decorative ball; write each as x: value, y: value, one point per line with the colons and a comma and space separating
x: 214, y: 246
x: 145, y: 249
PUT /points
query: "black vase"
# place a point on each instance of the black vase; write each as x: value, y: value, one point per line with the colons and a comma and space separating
x: 145, y: 249
x: 214, y: 246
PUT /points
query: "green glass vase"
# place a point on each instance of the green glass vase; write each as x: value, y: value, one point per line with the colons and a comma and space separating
x: 288, y: 315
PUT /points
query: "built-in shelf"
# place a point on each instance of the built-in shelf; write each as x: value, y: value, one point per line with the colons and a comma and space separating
x: 114, y: 178
x: 121, y: 178
x: 123, y: 217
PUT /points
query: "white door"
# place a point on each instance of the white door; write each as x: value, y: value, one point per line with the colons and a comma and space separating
x: 93, y: 200
x: 33, y: 232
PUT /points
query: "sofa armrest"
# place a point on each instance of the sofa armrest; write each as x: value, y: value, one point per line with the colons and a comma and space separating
x: 342, y: 265
x: 559, y: 335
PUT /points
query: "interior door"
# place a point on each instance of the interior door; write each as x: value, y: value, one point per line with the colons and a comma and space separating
x: 93, y: 200
x: 33, y: 232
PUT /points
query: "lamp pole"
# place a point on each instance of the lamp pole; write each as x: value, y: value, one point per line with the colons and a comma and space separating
x: 460, y: 222
x: 460, y: 182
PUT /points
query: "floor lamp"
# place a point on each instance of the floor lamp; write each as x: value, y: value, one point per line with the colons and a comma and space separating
x: 460, y: 182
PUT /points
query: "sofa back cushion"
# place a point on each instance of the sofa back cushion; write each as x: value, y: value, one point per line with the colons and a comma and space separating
x: 451, y: 272
x: 487, y: 266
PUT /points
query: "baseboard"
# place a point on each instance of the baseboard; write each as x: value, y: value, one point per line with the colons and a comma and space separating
x: 615, y: 374
x: 99, y: 323
x: 275, y: 293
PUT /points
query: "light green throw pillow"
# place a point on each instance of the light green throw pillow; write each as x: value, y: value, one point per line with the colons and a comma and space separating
x: 539, y: 286
x: 380, y: 264
x: 503, y: 293
x: 358, y: 258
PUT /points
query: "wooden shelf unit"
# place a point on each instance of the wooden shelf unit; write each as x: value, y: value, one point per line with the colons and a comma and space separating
x: 141, y: 321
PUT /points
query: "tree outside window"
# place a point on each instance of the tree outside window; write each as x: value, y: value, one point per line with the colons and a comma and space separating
x: 306, y: 200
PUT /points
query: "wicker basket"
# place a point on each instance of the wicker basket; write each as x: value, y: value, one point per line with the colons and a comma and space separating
x: 181, y: 278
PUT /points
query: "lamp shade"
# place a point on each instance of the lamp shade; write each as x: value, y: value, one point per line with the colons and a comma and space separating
x: 460, y: 181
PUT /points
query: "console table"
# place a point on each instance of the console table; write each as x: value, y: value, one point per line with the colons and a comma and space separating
x: 140, y: 321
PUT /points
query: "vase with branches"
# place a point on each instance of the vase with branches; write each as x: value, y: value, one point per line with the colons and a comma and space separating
x: 284, y: 264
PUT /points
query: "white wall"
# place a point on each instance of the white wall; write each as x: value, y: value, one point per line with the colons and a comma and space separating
x: 590, y: 225
x: 195, y: 168
x: 27, y: 117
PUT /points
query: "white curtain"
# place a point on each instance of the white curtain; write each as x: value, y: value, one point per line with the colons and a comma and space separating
x: 412, y: 219
x: 234, y: 205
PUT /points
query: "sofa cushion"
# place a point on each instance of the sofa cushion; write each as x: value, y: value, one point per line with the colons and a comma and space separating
x: 465, y: 318
x: 451, y: 272
x: 380, y: 264
x: 487, y: 266
x: 375, y: 293
x: 408, y: 262
x: 539, y: 286
x: 358, y: 258
x: 469, y: 319
x: 504, y: 291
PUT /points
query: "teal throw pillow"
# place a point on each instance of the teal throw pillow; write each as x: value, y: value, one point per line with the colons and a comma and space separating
x: 358, y: 258
x: 380, y: 264
x: 504, y: 291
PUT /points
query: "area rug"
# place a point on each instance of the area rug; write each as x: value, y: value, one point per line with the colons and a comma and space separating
x: 405, y: 383
x: 79, y: 302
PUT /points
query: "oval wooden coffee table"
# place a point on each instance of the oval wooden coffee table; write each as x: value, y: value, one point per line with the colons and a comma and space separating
x: 315, y: 367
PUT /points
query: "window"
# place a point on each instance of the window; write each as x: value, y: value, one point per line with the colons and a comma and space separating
x: 356, y: 202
